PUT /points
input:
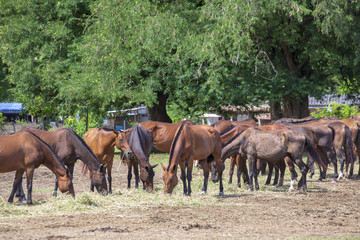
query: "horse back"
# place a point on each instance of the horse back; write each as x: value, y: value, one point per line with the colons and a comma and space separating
x: 20, y: 150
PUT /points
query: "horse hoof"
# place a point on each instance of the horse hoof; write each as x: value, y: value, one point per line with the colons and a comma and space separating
x: 221, y: 194
x: 333, y: 181
x: 54, y: 194
x: 203, y: 192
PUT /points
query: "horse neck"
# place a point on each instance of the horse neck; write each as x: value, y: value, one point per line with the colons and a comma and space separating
x: 176, y: 150
x: 84, y: 153
x: 53, y: 162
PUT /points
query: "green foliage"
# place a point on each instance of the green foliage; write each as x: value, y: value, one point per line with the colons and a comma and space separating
x: 79, y: 124
x: 85, y: 56
x: 335, y: 109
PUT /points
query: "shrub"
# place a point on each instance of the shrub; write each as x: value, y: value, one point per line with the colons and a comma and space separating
x: 335, y: 109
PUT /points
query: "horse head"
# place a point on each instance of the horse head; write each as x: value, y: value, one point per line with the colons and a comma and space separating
x: 98, y: 179
x: 122, y: 144
x: 147, y: 177
x: 170, y: 180
x: 65, y: 183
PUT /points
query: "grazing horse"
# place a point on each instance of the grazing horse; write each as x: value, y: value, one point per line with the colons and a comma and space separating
x: 271, y: 146
x: 23, y: 152
x: 102, y: 142
x: 163, y: 136
x: 192, y: 142
x: 70, y: 147
x: 139, y: 139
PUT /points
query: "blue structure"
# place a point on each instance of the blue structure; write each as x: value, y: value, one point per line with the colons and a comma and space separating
x: 14, y: 108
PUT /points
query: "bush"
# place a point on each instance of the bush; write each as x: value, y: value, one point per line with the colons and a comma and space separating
x: 80, y: 123
x: 335, y: 109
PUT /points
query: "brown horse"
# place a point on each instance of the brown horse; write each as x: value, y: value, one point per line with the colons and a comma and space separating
x: 293, y: 120
x: 224, y: 125
x: 342, y: 142
x: 102, y: 142
x: 354, y: 126
x: 322, y: 137
x: 192, y: 142
x: 23, y: 152
x: 163, y: 133
x: 70, y: 147
x: 237, y: 160
x: 271, y: 146
x: 139, y: 139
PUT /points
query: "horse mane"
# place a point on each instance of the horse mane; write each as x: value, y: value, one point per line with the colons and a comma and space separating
x: 50, y: 148
x: 227, y: 130
x: 174, y: 142
x: 107, y: 129
x: 233, y: 138
x: 83, y: 142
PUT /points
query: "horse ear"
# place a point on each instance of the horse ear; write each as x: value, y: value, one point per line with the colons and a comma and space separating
x: 163, y: 167
x: 154, y: 166
x: 103, y: 167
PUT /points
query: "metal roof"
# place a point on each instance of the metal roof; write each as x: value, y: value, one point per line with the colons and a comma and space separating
x: 338, y: 98
x: 11, y: 107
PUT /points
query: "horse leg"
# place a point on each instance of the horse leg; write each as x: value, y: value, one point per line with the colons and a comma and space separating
x: 108, y: 168
x: 276, y: 178
x: 331, y: 154
x: 252, y: 172
x: 18, y: 178
x: 136, y: 172
x: 182, y: 166
x: 29, y: 180
x: 239, y: 169
x: 271, y: 167
x: 241, y: 161
x: 282, y: 167
x: 204, y: 165
x: 304, y: 169
x: 189, y: 176
x: 129, y: 176
x: 20, y: 192
x: 231, y: 168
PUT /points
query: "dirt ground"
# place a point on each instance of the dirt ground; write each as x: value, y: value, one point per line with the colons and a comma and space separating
x: 326, y: 211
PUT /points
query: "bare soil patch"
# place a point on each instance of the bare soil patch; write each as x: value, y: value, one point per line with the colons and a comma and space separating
x: 326, y: 210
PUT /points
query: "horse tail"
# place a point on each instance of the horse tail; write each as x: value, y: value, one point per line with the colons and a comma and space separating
x: 349, y: 146
x: 314, y: 156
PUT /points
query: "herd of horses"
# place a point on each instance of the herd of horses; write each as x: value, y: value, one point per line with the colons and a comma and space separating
x: 278, y: 145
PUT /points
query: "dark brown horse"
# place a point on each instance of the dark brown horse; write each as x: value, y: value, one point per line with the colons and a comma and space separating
x: 139, y: 139
x: 271, y: 146
x: 322, y: 137
x: 354, y: 126
x: 70, y: 147
x: 342, y: 142
x: 192, y: 142
x: 23, y: 152
x: 102, y: 142
x: 293, y: 120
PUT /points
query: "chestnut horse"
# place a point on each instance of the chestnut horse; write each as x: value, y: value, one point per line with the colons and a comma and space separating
x: 139, y: 139
x: 163, y: 133
x: 271, y: 146
x: 102, y: 142
x: 224, y: 125
x: 192, y: 142
x: 23, y: 152
x: 70, y: 147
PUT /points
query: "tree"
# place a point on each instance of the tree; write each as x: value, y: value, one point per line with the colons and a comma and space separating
x: 36, y: 39
x: 280, y: 50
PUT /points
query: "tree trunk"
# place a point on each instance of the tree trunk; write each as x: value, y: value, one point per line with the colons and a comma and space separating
x: 158, y: 111
x: 275, y: 110
x: 294, y: 108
